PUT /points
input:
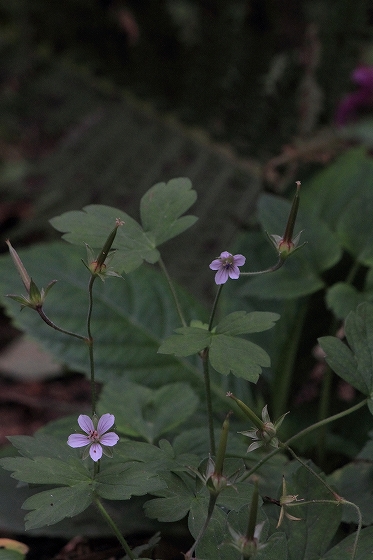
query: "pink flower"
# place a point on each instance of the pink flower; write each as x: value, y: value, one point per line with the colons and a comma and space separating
x: 360, y: 99
x: 227, y: 267
x: 96, y: 440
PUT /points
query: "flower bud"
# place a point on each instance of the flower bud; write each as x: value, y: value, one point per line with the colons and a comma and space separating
x: 286, y: 244
x: 35, y: 298
x: 247, y: 411
x: 98, y: 266
x: 19, y: 266
x: 108, y: 243
x: 216, y: 481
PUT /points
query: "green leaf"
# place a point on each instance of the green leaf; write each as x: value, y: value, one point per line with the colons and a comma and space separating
x: 128, y: 515
x: 187, y: 341
x: 354, y: 483
x: 296, y: 278
x: 275, y: 548
x: 329, y: 192
x: 209, y: 546
x: 319, y: 521
x: 93, y: 224
x: 54, y: 505
x: 229, y: 354
x: 175, y: 501
x: 162, y: 206
x: 272, y: 548
x: 233, y: 498
x: 342, y: 298
x: 301, y: 273
x: 156, y: 458
x: 355, y: 365
x: 45, y: 470
x: 44, y: 445
x: 322, y: 250
x: 240, y: 322
x: 342, y: 551
x: 147, y: 413
x: 120, y: 481
x: 354, y: 227
x: 340, y: 358
x: 130, y: 317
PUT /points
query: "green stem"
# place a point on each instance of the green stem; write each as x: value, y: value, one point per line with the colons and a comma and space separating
x: 214, y: 307
x: 173, y: 292
x: 359, y: 526
x: 206, y: 375
x: 281, y: 385
x: 326, y: 388
x: 326, y: 421
x: 115, y: 529
x: 276, y: 266
x: 210, y: 510
x: 210, y: 417
x: 55, y: 327
x: 339, y: 500
x: 309, y: 469
x: 90, y: 343
x: 324, y: 403
x: 300, y: 434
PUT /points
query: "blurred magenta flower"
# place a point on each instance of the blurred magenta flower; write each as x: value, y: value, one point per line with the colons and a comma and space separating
x: 362, y: 98
x: 96, y: 440
x: 227, y: 267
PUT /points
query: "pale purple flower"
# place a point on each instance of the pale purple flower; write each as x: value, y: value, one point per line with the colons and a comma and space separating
x: 96, y: 439
x: 227, y: 266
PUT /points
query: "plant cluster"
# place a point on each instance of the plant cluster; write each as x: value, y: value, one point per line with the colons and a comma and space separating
x: 174, y: 416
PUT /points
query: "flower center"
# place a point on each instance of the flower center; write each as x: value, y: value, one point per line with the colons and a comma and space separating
x: 93, y: 435
x: 227, y: 263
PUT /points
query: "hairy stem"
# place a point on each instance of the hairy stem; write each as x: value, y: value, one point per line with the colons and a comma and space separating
x: 276, y: 266
x: 326, y: 388
x: 206, y: 375
x: 114, y: 528
x: 210, y: 510
x: 302, y: 433
x: 281, y: 384
x: 359, y: 527
x: 214, y: 307
x: 90, y: 344
x: 324, y: 406
x: 309, y: 469
x: 173, y: 292
x: 57, y: 328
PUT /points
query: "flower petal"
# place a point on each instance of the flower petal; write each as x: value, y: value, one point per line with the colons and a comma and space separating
x: 234, y: 272
x: 216, y: 264
x: 109, y: 439
x: 105, y: 423
x: 221, y: 276
x: 225, y: 255
x: 77, y: 440
x: 86, y: 423
x: 95, y: 451
x: 239, y: 260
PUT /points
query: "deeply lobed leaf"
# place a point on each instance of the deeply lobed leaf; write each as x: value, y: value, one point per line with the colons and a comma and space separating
x: 356, y: 365
x: 148, y: 413
x: 161, y: 208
